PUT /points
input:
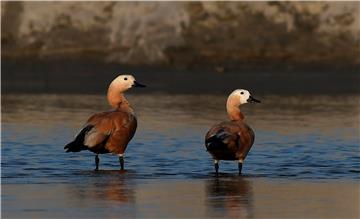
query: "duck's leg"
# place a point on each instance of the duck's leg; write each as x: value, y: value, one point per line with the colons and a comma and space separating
x: 216, y: 164
x: 240, y: 164
x: 97, y: 160
x: 121, y: 160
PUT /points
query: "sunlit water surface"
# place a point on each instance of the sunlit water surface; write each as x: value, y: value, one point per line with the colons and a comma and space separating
x: 306, y: 138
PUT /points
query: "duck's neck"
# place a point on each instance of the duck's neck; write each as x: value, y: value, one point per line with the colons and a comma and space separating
x: 233, y: 110
x: 118, y: 101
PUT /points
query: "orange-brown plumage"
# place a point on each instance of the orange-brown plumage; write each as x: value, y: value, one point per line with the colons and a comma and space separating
x: 231, y: 140
x: 111, y: 131
x: 117, y: 127
x: 239, y: 139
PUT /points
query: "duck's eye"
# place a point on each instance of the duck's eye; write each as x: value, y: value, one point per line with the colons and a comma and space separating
x: 241, y: 92
x: 125, y: 79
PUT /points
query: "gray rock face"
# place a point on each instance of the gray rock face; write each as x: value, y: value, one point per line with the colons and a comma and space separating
x: 183, y: 33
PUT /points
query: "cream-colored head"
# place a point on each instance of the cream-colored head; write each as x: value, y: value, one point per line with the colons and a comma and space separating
x: 235, y: 99
x: 241, y: 96
x: 118, y: 86
x: 124, y: 82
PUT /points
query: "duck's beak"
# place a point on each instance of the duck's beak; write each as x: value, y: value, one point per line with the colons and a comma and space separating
x: 252, y: 100
x: 137, y: 84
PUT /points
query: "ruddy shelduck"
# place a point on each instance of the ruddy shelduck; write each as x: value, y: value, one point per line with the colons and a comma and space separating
x: 233, y: 139
x: 111, y: 131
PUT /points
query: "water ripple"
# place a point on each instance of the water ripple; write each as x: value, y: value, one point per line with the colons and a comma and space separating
x: 32, y: 144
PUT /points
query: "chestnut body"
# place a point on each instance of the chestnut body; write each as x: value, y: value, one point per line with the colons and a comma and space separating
x: 231, y: 140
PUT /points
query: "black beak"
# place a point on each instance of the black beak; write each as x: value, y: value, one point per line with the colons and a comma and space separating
x: 252, y: 100
x: 137, y: 84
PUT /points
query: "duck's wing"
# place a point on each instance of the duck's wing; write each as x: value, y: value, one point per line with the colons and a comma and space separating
x: 78, y: 143
x: 222, y: 136
x: 90, y: 135
x: 95, y: 137
x: 88, y: 138
x: 229, y: 140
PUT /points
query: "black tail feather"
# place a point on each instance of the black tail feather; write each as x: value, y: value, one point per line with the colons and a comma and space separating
x: 78, y: 144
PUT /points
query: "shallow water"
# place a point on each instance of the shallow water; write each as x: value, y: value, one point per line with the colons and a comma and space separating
x: 308, y: 137
x: 110, y: 196
x: 311, y: 139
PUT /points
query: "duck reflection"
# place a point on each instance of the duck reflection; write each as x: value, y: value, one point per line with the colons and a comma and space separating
x: 105, y: 186
x: 229, y: 198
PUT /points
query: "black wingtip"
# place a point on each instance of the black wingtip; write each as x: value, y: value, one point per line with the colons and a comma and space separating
x: 67, y: 148
x: 77, y: 144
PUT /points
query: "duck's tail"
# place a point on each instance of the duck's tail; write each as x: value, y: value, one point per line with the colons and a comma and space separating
x: 217, y: 141
x: 78, y: 144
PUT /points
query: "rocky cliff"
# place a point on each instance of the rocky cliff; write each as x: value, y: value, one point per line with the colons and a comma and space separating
x: 183, y: 33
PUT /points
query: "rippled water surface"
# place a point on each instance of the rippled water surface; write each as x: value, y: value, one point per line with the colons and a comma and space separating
x: 303, y: 137
x: 306, y: 138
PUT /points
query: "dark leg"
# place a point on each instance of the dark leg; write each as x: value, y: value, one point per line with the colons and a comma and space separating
x: 97, y: 160
x: 216, y: 164
x: 240, y: 167
x: 121, y: 160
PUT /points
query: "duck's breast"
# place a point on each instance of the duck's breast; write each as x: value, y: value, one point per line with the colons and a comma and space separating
x: 245, y: 141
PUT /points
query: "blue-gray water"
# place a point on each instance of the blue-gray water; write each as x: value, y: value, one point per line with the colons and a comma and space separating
x: 310, y: 139
x: 304, y: 137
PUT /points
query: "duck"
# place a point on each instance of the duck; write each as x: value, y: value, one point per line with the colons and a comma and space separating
x: 110, y: 131
x: 232, y: 139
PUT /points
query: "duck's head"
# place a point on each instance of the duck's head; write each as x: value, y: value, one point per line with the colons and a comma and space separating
x: 243, y: 96
x: 123, y: 83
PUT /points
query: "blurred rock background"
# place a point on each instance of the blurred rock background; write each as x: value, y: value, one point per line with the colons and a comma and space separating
x: 183, y: 34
